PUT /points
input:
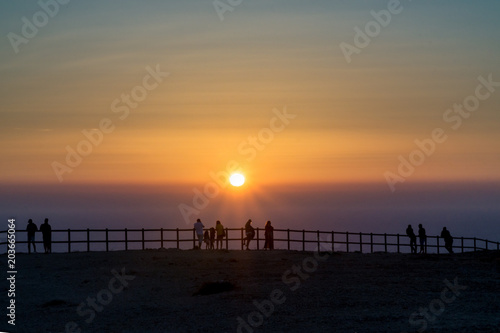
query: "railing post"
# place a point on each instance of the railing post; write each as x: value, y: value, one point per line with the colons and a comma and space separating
x: 333, y: 241
x: 288, y: 238
x: 88, y: 240
x: 486, y: 245
x: 437, y: 244
x: 319, y: 243
x: 227, y: 239
x: 194, y: 239
x: 107, y: 244
x: 361, y: 242
x: 242, y: 239
x: 142, y: 238
x: 347, y: 241
x: 257, y: 238
x: 161, y: 230
x: 385, y: 242
x: 303, y: 240
x: 475, y: 244
x: 371, y: 242
x: 398, y: 243
x: 462, y: 245
x: 126, y: 239
x: 69, y: 240
x: 177, y: 237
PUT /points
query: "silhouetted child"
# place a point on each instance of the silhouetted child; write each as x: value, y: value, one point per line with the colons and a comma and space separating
x: 448, y: 240
x: 212, y: 238
x: 221, y: 233
x: 269, y: 235
x: 31, y: 229
x: 423, y: 239
x: 47, y: 236
x: 413, y: 239
x: 250, y: 233
x: 206, y: 239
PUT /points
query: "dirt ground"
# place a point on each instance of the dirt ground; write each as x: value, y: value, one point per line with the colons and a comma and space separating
x: 255, y: 291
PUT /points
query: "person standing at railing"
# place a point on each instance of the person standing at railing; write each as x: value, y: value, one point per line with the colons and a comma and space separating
x: 31, y: 229
x: 198, y: 227
x: 221, y: 233
x: 423, y: 239
x: 269, y: 236
x: 250, y: 233
x: 413, y: 239
x: 47, y: 236
x: 448, y: 240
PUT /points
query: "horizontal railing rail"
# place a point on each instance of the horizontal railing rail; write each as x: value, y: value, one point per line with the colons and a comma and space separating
x: 108, y: 239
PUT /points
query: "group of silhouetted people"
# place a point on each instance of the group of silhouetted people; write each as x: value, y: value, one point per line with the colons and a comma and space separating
x: 209, y: 236
x: 46, y: 230
x: 445, y: 234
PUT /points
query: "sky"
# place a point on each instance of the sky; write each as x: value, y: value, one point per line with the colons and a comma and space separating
x: 309, y: 100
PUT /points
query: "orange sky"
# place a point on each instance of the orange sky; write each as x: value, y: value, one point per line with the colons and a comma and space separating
x: 353, y: 120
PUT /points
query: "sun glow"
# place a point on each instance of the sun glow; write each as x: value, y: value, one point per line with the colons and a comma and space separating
x: 237, y: 179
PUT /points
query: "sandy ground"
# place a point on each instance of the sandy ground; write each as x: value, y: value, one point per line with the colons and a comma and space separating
x: 336, y: 292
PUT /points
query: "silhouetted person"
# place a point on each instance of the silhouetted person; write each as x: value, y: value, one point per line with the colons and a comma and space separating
x: 423, y: 239
x: 47, y: 236
x: 212, y: 238
x: 250, y: 233
x: 269, y: 236
x: 198, y: 227
x: 31, y: 229
x: 448, y: 240
x: 221, y: 233
x: 206, y: 239
x: 413, y: 239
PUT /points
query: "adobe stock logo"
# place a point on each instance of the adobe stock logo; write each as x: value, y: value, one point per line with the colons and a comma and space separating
x: 293, y: 279
x: 30, y: 28
x: 437, y: 306
x: 222, y: 7
x: 372, y: 29
x: 121, y: 107
x: 249, y: 149
x: 454, y: 117
x: 93, y: 305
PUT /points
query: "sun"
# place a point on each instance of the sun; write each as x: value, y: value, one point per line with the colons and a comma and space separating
x: 237, y: 179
